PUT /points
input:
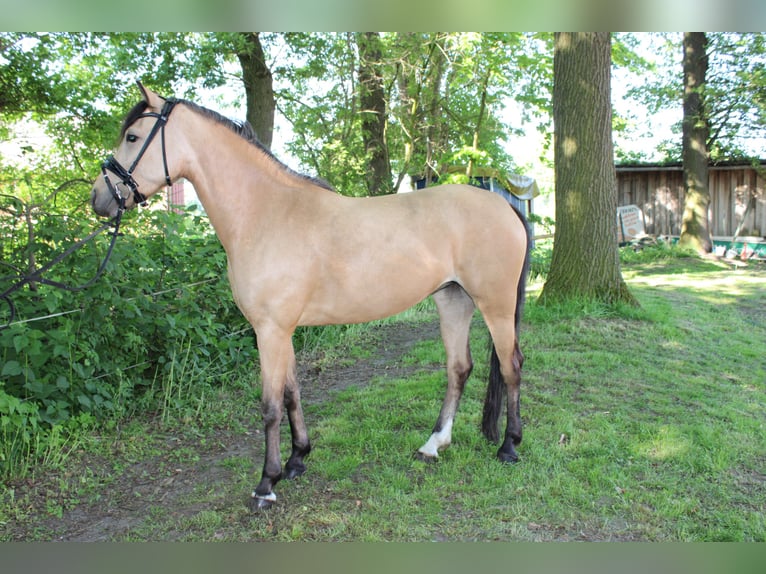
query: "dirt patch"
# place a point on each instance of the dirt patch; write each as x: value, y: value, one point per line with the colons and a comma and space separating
x: 167, y: 484
x: 388, y: 345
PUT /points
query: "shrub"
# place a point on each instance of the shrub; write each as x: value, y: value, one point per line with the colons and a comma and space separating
x: 18, y: 425
x: 165, y: 298
x: 540, y: 259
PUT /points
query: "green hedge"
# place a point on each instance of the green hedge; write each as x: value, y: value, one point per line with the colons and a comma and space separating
x: 164, y: 299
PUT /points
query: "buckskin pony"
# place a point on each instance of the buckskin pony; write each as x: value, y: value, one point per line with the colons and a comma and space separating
x: 301, y: 254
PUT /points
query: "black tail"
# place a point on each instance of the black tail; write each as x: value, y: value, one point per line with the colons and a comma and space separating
x: 493, y: 402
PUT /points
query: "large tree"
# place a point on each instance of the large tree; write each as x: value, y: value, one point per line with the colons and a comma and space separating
x: 734, y: 90
x: 419, y: 68
x: 585, y: 260
x: 259, y: 91
x: 695, y: 228
x: 372, y: 107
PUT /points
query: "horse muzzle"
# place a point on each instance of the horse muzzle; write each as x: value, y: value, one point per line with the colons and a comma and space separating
x: 103, y: 203
x: 126, y: 178
x: 115, y: 198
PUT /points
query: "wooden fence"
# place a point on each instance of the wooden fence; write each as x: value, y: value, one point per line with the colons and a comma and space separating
x: 659, y: 192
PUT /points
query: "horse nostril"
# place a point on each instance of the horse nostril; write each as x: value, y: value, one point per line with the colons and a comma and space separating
x: 94, y: 203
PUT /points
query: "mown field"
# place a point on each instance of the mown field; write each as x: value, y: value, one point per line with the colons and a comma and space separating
x: 640, y: 425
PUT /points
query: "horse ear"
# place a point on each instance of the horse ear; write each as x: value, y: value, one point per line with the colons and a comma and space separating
x: 143, y: 90
x: 149, y: 96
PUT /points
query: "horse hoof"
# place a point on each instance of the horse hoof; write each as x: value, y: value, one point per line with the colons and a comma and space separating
x: 258, y: 503
x: 427, y: 458
x: 295, y: 472
x: 507, y: 457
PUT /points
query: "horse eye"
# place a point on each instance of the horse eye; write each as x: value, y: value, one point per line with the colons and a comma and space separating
x: 131, y: 138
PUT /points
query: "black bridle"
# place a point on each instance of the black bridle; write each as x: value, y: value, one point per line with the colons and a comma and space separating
x: 126, y: 175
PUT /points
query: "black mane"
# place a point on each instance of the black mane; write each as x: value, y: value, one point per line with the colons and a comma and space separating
x: 242, y: 129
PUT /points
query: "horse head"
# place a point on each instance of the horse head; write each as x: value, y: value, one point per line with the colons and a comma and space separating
x: 119, y: 187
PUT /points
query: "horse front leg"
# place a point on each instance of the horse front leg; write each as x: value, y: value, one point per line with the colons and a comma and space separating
x: 277, y: 368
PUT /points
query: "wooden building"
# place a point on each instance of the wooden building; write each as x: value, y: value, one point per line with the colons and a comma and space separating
x: 737, y: 197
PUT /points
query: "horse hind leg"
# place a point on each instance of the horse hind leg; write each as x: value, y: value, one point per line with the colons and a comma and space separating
x: 455, y: 308
x: 504, y: 381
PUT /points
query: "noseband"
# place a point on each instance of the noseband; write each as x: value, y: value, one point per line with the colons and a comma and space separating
x: 126, y: 175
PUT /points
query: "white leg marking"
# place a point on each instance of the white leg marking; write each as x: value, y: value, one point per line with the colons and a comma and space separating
x: 438, y: 441
x: 270, y: 496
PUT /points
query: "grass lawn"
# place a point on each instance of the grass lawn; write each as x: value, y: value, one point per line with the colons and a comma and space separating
x: 648, y: 427
x: 640, y: 424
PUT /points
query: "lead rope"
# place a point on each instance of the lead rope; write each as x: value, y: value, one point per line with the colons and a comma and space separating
x: 127, y: 179
x: 37, y: 275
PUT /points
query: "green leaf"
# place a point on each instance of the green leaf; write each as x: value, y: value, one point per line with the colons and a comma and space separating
x: 62, y: 383
x: 11, y: 369
x: 20, y: 342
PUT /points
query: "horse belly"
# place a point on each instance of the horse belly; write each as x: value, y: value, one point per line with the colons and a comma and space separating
x: 373, y: 286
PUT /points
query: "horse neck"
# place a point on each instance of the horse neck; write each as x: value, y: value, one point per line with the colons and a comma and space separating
x: 237, y: 183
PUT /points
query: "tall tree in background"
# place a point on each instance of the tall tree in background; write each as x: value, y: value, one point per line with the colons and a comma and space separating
x: 734, y: 91
x: 317, y: 93
x: 372, y: 107
x: 420, y: 64
x: 695, y: 228
x: 259, y: 91
x: 585, y: 260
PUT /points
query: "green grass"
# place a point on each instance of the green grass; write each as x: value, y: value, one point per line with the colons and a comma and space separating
x: 640, y: 424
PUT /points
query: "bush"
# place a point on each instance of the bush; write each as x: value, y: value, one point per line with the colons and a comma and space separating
x: 164, y: 299
x: 18, y: 425
x: 540, y: 259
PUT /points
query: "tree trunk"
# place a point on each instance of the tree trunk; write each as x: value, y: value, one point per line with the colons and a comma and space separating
x: 585, y: 261
x: 695, y: 228
x: 259, y: 91
x: 477, y: 128
x: 433, y: 119
x: 372, y: 100
x: 419, y: 80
